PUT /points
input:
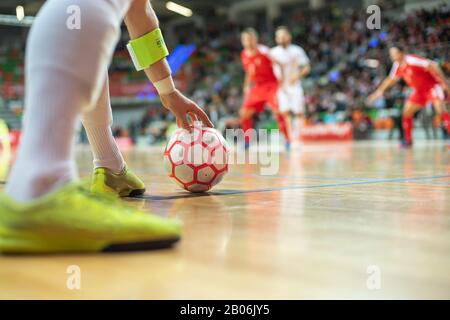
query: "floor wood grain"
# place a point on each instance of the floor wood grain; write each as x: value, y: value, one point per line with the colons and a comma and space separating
x: 332, y: 218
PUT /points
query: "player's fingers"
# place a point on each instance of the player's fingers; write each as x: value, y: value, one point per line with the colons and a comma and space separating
x: 192, y: 117
x: 204, y: 118
x: 185, y: 124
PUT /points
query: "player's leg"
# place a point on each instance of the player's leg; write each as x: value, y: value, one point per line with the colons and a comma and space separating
x: 272, y: 99
x: 298, y: 110
x: 246, y: 118
x: 438, y: 98
x: 445, y: 115
x: 441, y: 111
x: 297, y: 124
x: 415, y: 101
x: 246, y: 114
x: 409, y: 110
x: 288, y: 121
x: 97, y: 123
x: 61, y: 81
x: 282, y: 109
x: 110, y: 171
x: 253, y: 103
x: 282, y: 125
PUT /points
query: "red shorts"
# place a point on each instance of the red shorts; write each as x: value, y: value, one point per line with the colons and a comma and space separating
x: 260, y: 95
x: 423, y: 96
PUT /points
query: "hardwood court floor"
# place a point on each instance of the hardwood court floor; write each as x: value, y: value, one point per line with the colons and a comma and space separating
x: 335, y: 217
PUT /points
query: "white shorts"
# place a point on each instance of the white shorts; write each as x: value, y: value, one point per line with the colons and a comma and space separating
x: 291, y: 98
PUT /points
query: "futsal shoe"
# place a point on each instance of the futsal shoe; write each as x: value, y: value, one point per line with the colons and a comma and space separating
x: 123, y: 184
x: 73, y: 219
x: 406, y: 144
x: 287, y: 146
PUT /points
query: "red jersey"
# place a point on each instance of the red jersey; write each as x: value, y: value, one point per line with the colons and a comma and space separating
x: 414, y: 70
x: 259, y: 66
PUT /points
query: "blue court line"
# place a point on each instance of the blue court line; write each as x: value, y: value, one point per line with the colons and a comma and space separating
x: 390, y: 180
x: 436, y: 183
x: 298, y: 187
x: 290, y: 177
x: 326, y: 178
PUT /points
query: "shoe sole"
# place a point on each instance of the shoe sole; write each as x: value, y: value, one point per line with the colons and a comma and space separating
x: 136, y: 193
x: 141, y: 246
x: 24, y: 245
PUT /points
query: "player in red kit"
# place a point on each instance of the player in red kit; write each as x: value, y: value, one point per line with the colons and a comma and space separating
x: 427, y: 81
x: 260, y: 84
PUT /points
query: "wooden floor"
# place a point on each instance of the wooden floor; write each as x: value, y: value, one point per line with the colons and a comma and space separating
x: 332, y: 219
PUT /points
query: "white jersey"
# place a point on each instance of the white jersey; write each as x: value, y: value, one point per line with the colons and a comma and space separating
x: 290, y: 58
x: 290, y: 96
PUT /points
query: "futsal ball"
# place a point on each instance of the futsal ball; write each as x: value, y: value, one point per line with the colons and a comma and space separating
x: 196, y: 161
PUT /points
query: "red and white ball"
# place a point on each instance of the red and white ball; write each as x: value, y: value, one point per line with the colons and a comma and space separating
x: 196, y: 161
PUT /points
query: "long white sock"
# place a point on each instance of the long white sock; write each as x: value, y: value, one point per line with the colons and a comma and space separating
x: 297, y: 125
x: 97, y: 123
x: 64, y: 74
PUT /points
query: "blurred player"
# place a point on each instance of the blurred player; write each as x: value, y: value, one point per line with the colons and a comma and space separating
x: 427, y: 81
x: 44, y: 208
x: 260, y: 84
x: 295, y: 64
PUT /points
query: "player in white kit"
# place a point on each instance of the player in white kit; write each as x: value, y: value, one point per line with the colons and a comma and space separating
x: 296, y: 66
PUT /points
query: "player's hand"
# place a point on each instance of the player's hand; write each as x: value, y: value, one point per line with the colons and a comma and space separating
x: 446, y: 88
x: 245, y: 90
x: 282, y: 87
x: 183, y: 108
x: 374, y: 96
x: 293, y: 78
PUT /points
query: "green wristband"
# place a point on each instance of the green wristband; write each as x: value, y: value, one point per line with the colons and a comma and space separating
x: 148, y: 49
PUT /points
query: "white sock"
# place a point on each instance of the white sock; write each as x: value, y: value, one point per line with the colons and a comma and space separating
x: 297, y: 125
x: 44, y: 160
x: 97, y: 123
x: 64, y: 74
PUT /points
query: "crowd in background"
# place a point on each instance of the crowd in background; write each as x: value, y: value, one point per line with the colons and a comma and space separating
x: 348, y: 60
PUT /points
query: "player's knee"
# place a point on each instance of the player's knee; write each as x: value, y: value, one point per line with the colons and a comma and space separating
x: 84, y: 55
x: 246, y: 114
x: 408, y: 111
x: 439, y: 108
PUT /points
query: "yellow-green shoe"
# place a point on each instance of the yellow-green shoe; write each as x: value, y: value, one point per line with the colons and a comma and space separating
x: 123, y: 184
x: 73, y: 219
